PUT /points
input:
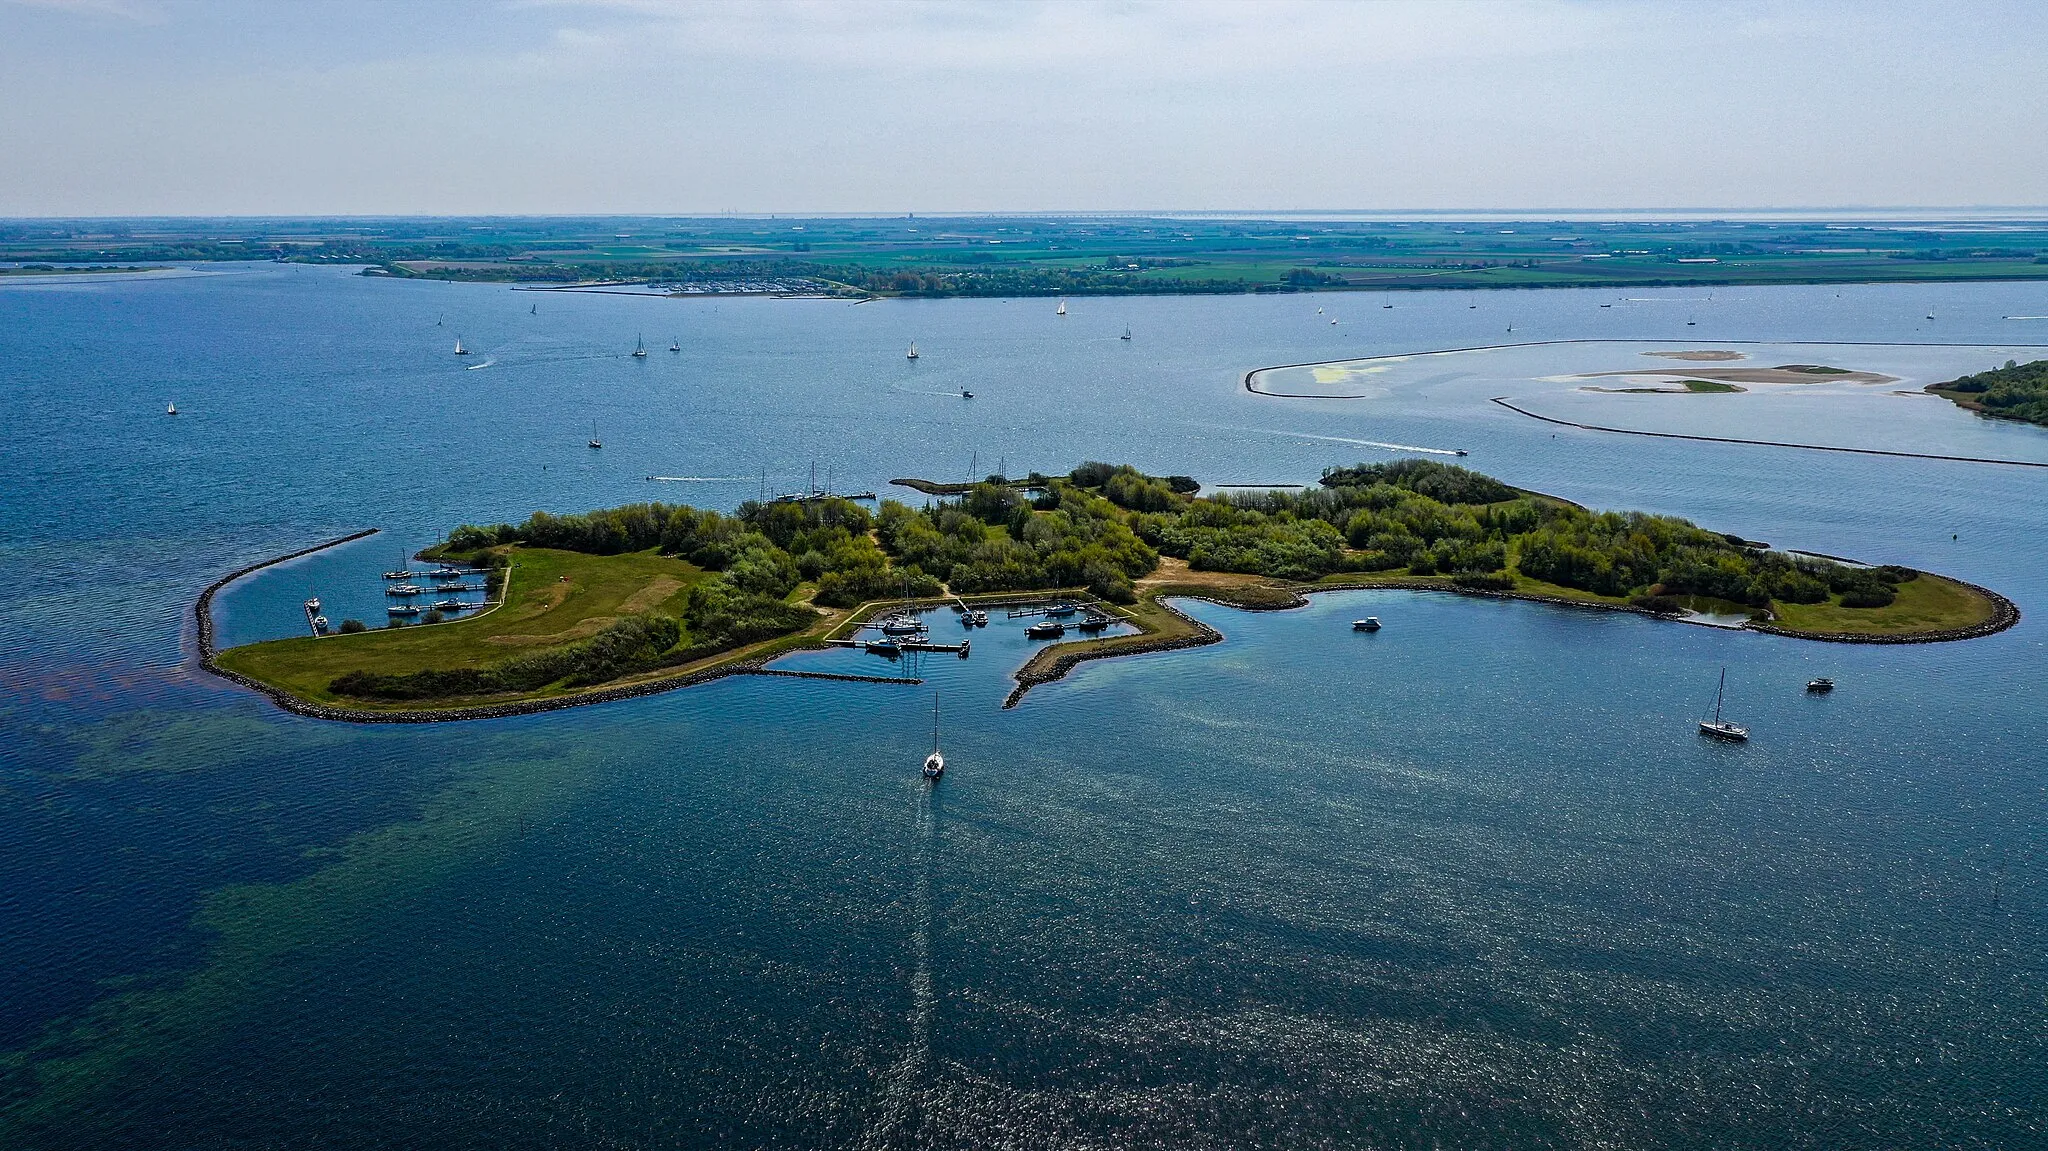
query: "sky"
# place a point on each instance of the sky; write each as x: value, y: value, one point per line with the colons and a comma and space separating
x: 507, y: 107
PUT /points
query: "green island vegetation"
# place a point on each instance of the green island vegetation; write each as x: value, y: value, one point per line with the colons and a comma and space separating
x: 2014, y: 392
x: 651, y: 590
x: 1039, y: 256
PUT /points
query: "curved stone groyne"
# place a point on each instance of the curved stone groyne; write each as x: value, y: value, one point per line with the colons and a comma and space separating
x: 203, y: 610
x: 1062, y: 662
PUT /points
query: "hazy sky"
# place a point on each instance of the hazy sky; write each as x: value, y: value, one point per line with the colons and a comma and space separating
x: 528, y: 106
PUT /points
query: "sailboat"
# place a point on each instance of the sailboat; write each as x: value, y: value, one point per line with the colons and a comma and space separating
x: 459, y: 349
x: 935, y: 763
x: 1061, y: 310
x: 594, y: 441
x: 912, y: 353
x: 534, y: 310
x: 639, y: 348
x: 1930, y: 313
x: 1127, y: 332
x: 171, y: 409
x: 1720, y: 728
x: 676, y: 345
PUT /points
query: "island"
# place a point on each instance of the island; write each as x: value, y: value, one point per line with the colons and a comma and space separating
x: 2014, y: 392
x: 648, y: 597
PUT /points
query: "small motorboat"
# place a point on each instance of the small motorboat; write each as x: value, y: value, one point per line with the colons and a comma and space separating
x: 402, y: 609
x: 980, y: 618
x: 885, y: 646
x: 452, y: 605
x: 405, y: 589
x: 965, y: 394
x: 1094, y: 623
x: 320, y: 624
x: 1463, y: 452
x: 313, y: 605
x: 1820, y: 686
x: 1369, y: 623
x: 1062, y: 608
x: 1047, y: 629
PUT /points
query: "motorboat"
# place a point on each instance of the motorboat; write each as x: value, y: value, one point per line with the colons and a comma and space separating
x: 405, y: 589
x: 1369, y: 623
x: 1046, y: 629
x: 313, y: 605
x: 1820, y: 686
x: 980, y: 618
x: 1719, y: 728
x: 320, y: 624
x: 402, y: 609
x: 1062, y: 609
x: 900, y: 625
x: 965, y: 394
x: 447, y: 573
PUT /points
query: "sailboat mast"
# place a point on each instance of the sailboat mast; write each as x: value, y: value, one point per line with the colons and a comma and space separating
x: 935, y: 721
x: 1717, y: 694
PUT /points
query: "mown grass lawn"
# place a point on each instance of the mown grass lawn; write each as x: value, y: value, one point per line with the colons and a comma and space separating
x: 555, y: 597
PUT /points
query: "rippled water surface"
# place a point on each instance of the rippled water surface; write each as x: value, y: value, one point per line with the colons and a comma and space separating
x: 1469, y: 881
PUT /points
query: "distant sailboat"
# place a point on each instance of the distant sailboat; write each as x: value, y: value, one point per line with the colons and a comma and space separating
x: 459, y: 349
x: 533, y: 311
x: 1127, y: 332
x: 676, y: 345
x: 1061, y: 310
x: 1930, y: 313
x: 1720, y: 728
x: 935, y: 763
x: 639, y: 348
x: 594, y: 441
x: 171, y: 409
x: 912, y: 353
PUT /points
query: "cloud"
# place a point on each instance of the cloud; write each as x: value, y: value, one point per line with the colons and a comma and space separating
x: 134, y: 11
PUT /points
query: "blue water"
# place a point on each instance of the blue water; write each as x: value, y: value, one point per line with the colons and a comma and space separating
x: 1469, y: 881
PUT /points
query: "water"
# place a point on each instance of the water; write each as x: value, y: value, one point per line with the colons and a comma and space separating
x: 1469, y: 881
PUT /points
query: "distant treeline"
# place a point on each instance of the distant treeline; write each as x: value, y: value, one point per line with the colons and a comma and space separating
x: 2016, y: 391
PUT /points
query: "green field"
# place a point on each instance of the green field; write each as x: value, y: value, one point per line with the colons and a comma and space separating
x: 1930, y: 603
x: 553, y: 598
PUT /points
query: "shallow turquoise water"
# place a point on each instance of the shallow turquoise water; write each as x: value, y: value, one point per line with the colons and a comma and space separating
x: 1470, y: 881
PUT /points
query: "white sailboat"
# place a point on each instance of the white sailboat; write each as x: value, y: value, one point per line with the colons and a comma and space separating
x: 1127, y: 332
x: 912, y: 353
x: 935, y: 763
x: 459, y: 349
x: 676, y: 345
x: 1061, y: 310
x: 639, y: 348
x: 1720, y: 728
x: 171, y: 409
x: 594, y: 441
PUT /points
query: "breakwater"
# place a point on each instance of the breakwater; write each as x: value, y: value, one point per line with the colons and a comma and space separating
x: 1503, y: 402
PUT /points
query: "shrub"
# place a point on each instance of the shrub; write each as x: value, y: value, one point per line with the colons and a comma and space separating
x: 1485, y: 581
x: 352, y: 626
x: 1875, y: 595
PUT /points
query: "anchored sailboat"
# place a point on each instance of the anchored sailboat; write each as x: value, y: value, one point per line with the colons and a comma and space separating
x: 639, y: 348
x: 912, y: 353
x: 1720, y: 728
x: 459, y: 349
x: 594, y: 441
x: 1061, y: 310
x: 935, y: 763
x: 1127, y: 332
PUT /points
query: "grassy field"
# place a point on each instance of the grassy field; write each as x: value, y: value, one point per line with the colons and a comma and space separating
x: 555, y: 597
x: 1930, y: 603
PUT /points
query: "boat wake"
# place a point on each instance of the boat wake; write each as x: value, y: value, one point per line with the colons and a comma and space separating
x: 901, y: 1084
x: 479, y: 367
x: 2027, y: 317
x: 955, y: 394
x: 1360, y: 443
x: 696, y: 479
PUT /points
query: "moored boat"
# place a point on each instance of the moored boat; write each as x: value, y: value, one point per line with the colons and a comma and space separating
x: 1369, y: 623
x: 1821, y: 685
x: 1047, y: 629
